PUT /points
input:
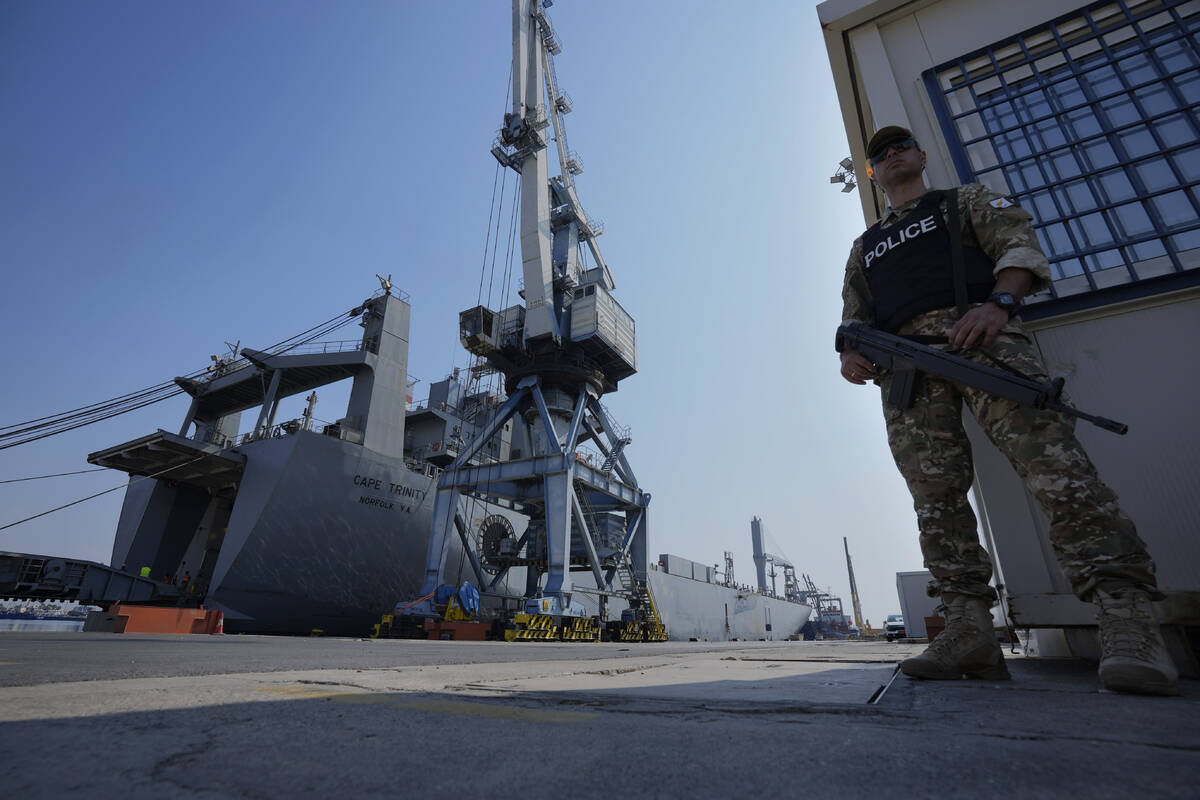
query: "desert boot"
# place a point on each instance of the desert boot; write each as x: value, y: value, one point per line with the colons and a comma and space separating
x: 1133, y: 657
x: 967, y: 646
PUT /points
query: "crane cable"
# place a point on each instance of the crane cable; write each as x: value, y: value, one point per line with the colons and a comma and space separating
x: 55, y: 475
x: 322, y: 329
x: 106, y: 491
x: 85, y: 409
x: 132, y: 396
x: 51, y: 425
x: 490, y: 271
x: 496, y: 214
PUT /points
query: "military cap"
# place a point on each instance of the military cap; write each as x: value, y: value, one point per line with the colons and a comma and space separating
x: 888, y: 133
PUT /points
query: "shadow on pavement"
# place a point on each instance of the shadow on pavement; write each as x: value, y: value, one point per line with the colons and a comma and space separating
x: 1042, y: 735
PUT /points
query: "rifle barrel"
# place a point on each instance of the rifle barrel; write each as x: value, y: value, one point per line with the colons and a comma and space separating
x: 883, y: 347
x: 1100, y: 422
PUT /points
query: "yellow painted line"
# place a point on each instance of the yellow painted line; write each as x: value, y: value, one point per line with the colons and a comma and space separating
x: 298, y: 691
x: 489, y: 710
x: 454, y: 707
x: 8, y: 663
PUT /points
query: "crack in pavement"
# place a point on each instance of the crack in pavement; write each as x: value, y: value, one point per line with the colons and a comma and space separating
x: 620, y: 704
x: 818, y: 660
x: 313, y: 682
x: 184, y: 757
x: 1051, y: 737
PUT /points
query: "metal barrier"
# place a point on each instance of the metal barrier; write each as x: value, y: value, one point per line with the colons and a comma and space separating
x: 343, y: 346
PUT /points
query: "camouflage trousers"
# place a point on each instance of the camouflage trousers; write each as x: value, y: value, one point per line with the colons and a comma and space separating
x: 1094, y: 541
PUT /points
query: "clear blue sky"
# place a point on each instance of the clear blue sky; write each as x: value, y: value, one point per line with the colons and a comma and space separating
x: 175, y: 175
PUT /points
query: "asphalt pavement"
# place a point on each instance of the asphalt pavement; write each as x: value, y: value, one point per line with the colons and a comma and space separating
x: 244, y: 716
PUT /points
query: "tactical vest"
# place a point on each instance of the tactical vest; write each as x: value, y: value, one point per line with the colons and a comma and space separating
x: 909, y: 267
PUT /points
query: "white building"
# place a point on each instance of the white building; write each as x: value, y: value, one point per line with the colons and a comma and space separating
x: 1090, y: 116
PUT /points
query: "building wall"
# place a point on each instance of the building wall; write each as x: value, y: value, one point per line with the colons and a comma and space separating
x: 1123, y: 343
x: 915, y: 603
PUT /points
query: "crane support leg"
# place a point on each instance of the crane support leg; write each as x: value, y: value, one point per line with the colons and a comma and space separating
x: 558, y: 544
x: 445, y: 508
x: 588, y: 544
x: 469, y: 549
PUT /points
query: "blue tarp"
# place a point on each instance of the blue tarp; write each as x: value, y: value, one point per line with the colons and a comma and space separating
x: 468, y: 598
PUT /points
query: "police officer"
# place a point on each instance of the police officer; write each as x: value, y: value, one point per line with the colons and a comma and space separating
x: 901, y: 278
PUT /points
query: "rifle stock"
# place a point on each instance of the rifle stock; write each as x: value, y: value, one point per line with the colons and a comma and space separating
x: 905, y: 358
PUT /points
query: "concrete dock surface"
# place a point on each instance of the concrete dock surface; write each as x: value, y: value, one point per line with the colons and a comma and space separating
x: 101, y: 715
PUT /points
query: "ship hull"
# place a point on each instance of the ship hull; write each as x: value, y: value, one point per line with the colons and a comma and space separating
x: 322, y: 535
x: 326, y: 535
x: 697, y: 610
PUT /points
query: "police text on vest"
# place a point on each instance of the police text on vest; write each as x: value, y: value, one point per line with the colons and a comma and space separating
x: 911, y: 232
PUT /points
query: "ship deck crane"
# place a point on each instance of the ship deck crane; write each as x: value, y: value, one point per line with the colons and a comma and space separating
x: 569, y: 344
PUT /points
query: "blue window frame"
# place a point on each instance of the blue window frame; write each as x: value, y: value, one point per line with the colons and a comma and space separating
x: 1091, y: 122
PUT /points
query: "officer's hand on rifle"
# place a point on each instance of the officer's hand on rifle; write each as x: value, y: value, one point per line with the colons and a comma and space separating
x: 857, y: 368
x: 982, y: 321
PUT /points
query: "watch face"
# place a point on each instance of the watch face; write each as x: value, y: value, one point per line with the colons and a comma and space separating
x: 1005, y: 300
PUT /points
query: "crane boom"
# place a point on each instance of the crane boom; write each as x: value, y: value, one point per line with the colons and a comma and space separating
x: 553, y: 222
x: 524, y: 128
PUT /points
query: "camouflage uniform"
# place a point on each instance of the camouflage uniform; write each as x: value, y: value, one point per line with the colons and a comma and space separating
x: 1095, y: 542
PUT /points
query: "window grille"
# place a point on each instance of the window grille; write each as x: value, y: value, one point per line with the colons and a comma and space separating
x: 1091, y: 123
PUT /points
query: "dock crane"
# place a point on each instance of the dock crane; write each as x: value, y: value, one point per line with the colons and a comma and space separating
x: 829, y: 619
x: 858, y: 617
x: 560, y: 351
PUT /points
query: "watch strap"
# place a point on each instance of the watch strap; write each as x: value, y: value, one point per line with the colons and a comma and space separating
x: 1006, y: 301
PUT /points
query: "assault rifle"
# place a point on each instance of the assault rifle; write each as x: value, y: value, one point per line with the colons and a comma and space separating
x: 905, y: 357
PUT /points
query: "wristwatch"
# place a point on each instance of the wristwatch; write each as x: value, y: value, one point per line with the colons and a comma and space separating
x: 1005, y: 300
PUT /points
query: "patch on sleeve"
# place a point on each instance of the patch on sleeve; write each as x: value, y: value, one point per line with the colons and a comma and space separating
x: 1002, y: 202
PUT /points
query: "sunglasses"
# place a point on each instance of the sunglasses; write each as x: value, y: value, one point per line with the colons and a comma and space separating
x: 899, y: 145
